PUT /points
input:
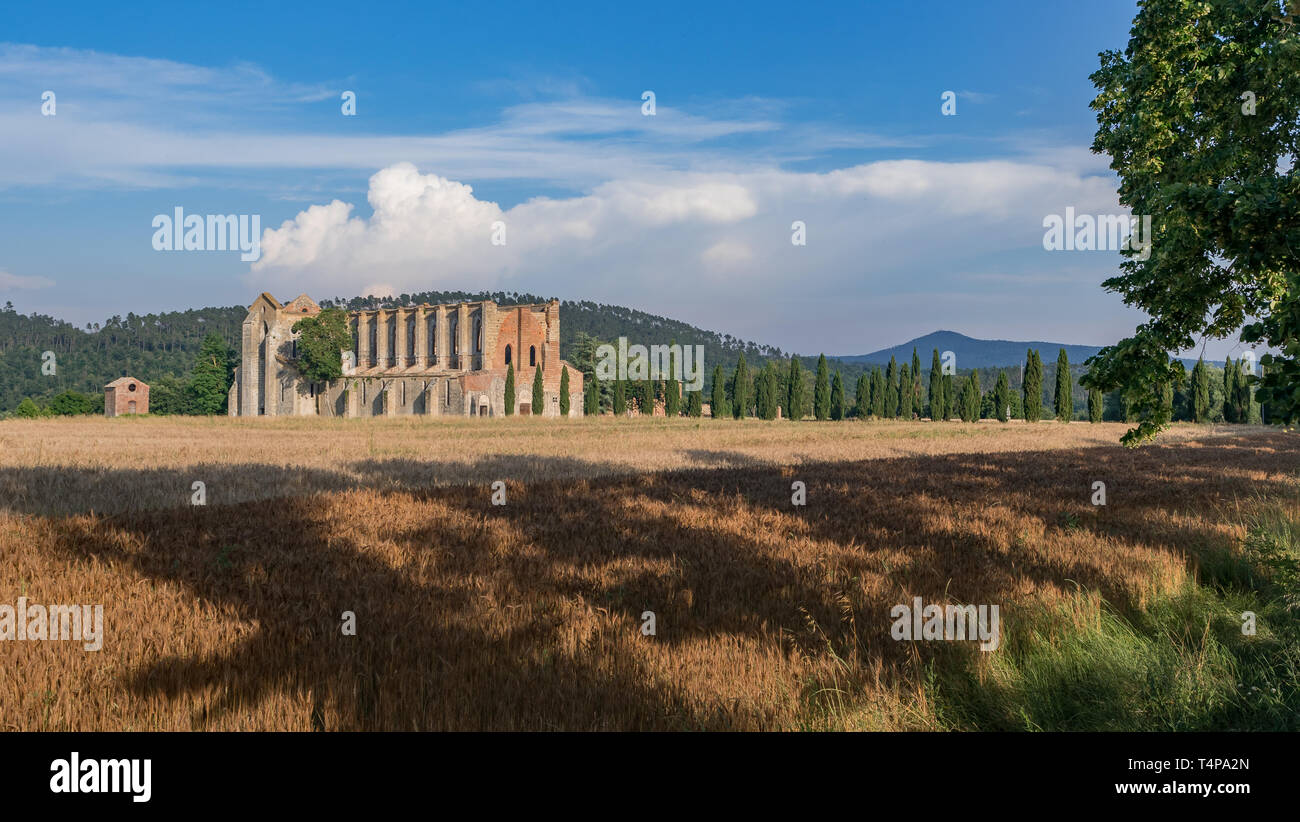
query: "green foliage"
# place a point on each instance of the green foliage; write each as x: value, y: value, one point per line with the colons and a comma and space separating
x: 1221, y: 183
x: 672, y: 390
x: 970, y: 398
x: 620, y: 397
x: 695, y: 404
x: 511, y: 393
x: 837, y: 397
x: 1200, y: 392
x: 1033, y: 387
x: 539, y: 393
x: 322, y: 339
x: 29, y: 409
x: 718, y: 402
x: 1095, y: 405
x: 878, y: 393
x: 211, y: 376
x: 794, y: 386
x: 822, y: 390
x: 862, y: 397
x: 1001, y: 397
x: 645, y: 401
x: 936, y: 387
x: 1064, y: 404
x: 73, y: 403
x: 740, y: 386
x: 765, y: 388
x: 590, y: 397
x: 905, y: 392
x: 564, y: 391
x: 891, y: 389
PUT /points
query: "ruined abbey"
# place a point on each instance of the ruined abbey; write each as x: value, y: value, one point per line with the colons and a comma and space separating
x: 423, y: 360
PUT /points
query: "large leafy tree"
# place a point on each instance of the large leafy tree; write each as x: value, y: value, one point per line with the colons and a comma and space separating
x: 322, y: 339
x: 210, y: 380
x: 1200, y: 115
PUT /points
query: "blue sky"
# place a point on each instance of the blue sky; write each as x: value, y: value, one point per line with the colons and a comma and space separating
x: 531, y: 115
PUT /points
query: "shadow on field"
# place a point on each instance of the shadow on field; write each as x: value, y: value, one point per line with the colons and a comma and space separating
x: 527, y: 615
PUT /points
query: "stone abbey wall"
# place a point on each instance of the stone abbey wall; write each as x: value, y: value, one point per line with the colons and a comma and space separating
x: 425, y: 360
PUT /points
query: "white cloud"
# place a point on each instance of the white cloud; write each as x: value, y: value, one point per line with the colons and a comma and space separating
x: 14, y: 281
x: 675, y: 243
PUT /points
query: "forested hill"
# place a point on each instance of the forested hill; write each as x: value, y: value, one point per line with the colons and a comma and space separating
x: 154, y: 346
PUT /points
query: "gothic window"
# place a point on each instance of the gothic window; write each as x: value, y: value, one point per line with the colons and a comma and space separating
x: 410, y: 338
x: 477, y: 339
x: 507, y: 355
x: 532, y: 355
x: 433, y: 336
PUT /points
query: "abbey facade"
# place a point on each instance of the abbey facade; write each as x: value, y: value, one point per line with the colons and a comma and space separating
x: 420, y: 360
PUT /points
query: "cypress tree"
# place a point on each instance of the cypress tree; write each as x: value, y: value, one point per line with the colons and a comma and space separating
x: 1001, y: 397
x: 564, y: 391
x: 672, y: 392
x: 1229, y: 392
x: 764, y: 397
x: 794, y: 390
x: 936, y: 387
x: 694, y: 404
x: 970, y: 398
x: 1200, y: 392
x: 837, y: 397
x: 822, y: 390
x: 917, y: 402
x: 718, y: 401
x: 1095, y: 405
x: 891, y: 389
x: 590, y: 397
x: 510, y: 390
x: 1065, y: 390
x: 949, y: 396
x: 740, y: 390
x: 1243, y: 393
x: 877, y: 393
x: 862, y: 397
x: 646, y: 399
x: 1033, y: 404
x: 539, y: 393
x: 620, y: 398
x: 905, y: 394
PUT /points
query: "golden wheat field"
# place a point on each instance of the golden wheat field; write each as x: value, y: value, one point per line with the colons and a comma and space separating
x: 528, y: 615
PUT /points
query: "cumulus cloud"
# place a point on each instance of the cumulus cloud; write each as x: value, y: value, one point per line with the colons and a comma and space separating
x: 682, y: 243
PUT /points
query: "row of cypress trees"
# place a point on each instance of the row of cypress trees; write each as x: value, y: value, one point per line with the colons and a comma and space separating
x: 898, y: 391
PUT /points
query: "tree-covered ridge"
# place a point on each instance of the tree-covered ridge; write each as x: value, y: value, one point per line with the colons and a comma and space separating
x: 161, y: 349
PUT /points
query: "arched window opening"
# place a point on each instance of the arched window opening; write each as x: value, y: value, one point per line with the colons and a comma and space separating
x: 507, y: 355
x: 532, y: 355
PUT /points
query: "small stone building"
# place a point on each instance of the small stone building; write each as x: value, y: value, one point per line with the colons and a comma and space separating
x: 126, y: 396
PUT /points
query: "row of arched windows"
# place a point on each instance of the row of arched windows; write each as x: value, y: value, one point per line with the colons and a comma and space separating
x: 532, y: 355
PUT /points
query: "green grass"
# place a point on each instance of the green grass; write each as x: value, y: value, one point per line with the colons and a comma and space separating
x: 1179, y: 663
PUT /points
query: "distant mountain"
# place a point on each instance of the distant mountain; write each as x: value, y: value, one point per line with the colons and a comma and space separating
x: 973, y: 353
